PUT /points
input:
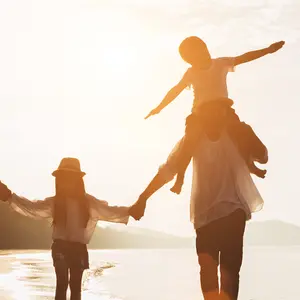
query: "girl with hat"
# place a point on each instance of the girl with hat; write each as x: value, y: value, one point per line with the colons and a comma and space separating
x: 207, y: 76
x: 74, y: 215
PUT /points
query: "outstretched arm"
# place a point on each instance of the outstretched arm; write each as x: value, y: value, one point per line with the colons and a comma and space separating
x: 138, y: 209
x: 170, y: 96
x: 156, y: 183
x: 102, y: 211
x: 252, y: 55
x: 165, y: 174
x: 37, y: 209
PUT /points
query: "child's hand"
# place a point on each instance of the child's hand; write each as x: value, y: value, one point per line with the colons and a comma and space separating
x: 5, y: 192
x: 153, y: 112
x: 276, y: 46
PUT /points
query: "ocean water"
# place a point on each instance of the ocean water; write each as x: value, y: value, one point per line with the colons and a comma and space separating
x: 267, y: 273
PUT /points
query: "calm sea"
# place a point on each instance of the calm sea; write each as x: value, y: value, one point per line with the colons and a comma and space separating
x: 267, y: 273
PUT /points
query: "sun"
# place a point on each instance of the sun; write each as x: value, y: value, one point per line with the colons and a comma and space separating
x: 119, y: 59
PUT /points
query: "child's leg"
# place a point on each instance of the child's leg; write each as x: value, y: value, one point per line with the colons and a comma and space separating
x: 249, y: 145
x: 62, y: 281
x: 75, y: 283
x: 192, y: 131
x: 255, y: 170
x: 192, y: 135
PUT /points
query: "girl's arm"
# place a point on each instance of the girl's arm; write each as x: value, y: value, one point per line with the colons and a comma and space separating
x: 101, y: 211
x: 249, y: 56
x: 36, y: 209
x: 171, y: 95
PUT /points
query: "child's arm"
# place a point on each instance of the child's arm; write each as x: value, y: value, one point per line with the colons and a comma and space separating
x: 170, y: 96
x: 101, y: 210
x: 37, y: 209
x: 249, y: 56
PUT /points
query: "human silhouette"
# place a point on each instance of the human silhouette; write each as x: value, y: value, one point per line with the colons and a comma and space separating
x: 223, y: 198
x: 74, y: 215
x: 208, y: 76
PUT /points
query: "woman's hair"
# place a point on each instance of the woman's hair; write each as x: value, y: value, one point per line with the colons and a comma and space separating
x: 59, y: 213
x: 194, y: 51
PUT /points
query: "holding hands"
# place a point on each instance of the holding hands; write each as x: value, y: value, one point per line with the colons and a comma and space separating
x: 137, y: 210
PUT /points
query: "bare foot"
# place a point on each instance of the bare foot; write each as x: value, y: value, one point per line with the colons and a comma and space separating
x: 258, y: 172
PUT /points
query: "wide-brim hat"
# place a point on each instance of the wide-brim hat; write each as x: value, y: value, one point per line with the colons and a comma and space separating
x: 69, y: 164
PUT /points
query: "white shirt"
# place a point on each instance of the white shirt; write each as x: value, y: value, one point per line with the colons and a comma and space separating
x: 73, y: 231
x: 210, y: 84
x: 221, y: 181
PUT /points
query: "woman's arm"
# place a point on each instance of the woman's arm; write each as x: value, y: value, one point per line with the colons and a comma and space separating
x: 165, y: 174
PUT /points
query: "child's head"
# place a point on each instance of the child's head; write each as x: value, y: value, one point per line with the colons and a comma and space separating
x: 69, y: 177
x: 194, y: 51
x: 69, y: 186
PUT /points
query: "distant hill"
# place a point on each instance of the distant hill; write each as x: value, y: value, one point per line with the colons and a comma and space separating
x: 272, y: 233
x: 18, y: 232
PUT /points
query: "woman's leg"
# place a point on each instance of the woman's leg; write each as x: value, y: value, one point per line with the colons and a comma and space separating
x: 208, y: 257
x: 62, y: 281
x: 75, y: 283
x: 231, y: 254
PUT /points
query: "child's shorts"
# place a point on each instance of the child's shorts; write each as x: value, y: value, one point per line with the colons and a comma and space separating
x: 70, y: 254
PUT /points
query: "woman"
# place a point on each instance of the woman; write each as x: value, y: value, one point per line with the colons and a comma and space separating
x: 74, y: 215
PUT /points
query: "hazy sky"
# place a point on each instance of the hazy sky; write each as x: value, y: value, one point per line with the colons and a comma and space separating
x: 77, y: 78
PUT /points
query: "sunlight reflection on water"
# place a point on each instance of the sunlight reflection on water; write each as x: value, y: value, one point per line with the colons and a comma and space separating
x: 31, y: 276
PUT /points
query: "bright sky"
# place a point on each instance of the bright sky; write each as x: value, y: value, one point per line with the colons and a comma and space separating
x: 77, y: 77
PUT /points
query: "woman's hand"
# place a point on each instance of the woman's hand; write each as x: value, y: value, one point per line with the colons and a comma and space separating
x: 137, y: 210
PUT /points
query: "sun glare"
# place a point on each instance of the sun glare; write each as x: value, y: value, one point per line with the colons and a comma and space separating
x: 119, y: 58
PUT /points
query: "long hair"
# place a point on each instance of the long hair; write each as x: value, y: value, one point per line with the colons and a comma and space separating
x: 60, y: 213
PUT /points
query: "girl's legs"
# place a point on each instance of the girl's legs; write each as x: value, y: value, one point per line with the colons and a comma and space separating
x: 62, y: 281
x: 75, y: 283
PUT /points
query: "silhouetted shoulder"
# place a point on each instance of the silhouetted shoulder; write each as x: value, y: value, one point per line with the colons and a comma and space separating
x: 187, y: 77
x: 228, y: 63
